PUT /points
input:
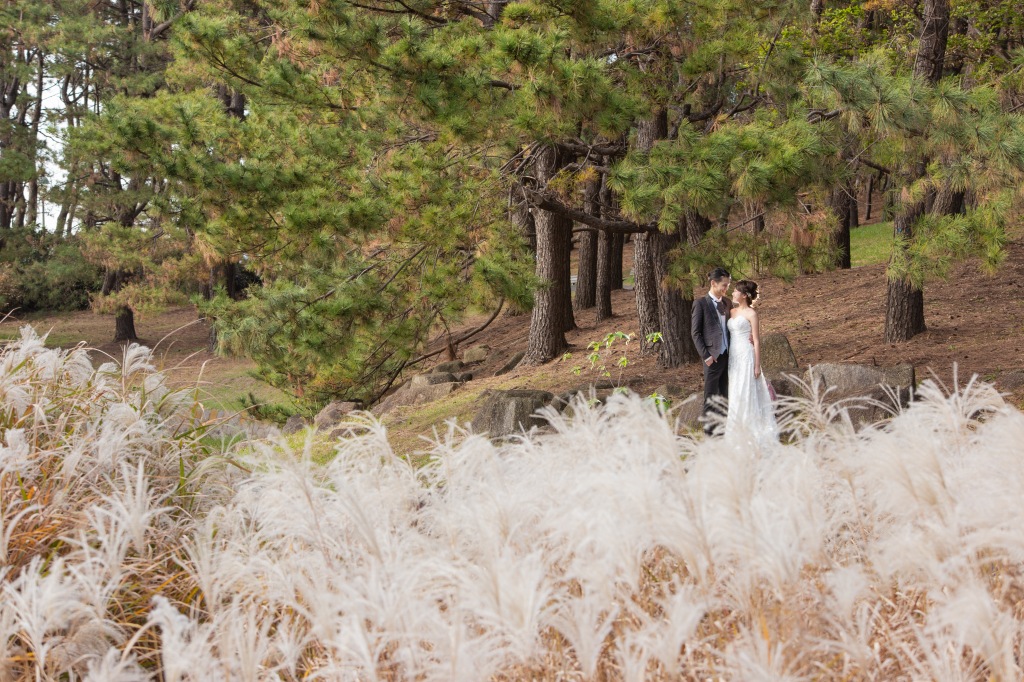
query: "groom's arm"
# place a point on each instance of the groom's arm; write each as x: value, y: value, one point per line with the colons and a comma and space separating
x: 697, y: 333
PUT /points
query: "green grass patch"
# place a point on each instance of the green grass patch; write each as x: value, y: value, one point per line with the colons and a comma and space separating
x: 871, y: 244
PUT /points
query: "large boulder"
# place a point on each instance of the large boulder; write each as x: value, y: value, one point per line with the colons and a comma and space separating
x: 776, y: 353
x: 452, y: 367
x: 427, y: 394
x: 421, y: 380
x: 333, y: 414
x: 508, y: 412
x: 688, y: 411
x: 511, y: 364
x: 778, y: 362
x: 295, y: 423
x: 885, y: 389
x: 423, y: 388
x: 476, y: 354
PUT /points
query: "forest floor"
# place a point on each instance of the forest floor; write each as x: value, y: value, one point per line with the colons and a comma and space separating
x: 975, y: 327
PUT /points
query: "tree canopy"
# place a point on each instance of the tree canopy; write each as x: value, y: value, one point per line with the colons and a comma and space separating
x: 379, y: 168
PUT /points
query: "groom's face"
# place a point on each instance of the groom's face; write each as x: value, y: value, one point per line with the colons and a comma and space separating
x: 720, y: 287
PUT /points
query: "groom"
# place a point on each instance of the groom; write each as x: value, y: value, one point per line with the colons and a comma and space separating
x: 711, y: 337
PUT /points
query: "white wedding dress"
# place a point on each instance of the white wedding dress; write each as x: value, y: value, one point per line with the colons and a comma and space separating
x: 751, y: 415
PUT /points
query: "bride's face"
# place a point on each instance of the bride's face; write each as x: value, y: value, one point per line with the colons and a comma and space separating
x: 737, y: 297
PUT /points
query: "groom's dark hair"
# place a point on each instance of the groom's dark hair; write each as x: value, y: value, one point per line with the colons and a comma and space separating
x: 718, y: 274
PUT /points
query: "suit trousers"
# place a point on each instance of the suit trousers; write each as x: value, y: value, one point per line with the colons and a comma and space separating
x: 716, y: 388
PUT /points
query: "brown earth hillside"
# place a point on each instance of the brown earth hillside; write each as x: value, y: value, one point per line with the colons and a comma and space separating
x: 975, y: 324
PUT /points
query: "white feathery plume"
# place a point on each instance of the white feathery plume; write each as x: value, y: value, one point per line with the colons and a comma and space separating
x: 113, y: 667
x: 585, y: 623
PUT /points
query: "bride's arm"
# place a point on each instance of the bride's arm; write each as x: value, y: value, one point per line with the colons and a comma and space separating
x: 755, y: 332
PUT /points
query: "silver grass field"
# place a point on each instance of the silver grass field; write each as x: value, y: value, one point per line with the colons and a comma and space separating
x: 610, y: 549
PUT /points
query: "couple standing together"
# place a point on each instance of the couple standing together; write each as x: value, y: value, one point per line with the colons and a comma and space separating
x: 727, y: 335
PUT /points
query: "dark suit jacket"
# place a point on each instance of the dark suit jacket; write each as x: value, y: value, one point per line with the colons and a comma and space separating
x: 706, y: 327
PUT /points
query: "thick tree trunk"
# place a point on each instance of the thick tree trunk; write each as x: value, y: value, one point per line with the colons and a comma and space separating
x: 948, y: 202
x: 586, y: 275
x: 645, y: 287
x: 648, y: 247
x: 871, y: 189
x: 904, y: 302
x: 696, y: 226
x: 604, y: 275
x: 904, y: 309
x: 552, y: 315
x: 521, y: 216
x: 618, y: 240
x: 605, y: 252
x: 674, y: 307
x: 493, y: 10
x: 931, y: 52
x: 840, y: 205
x: 124, y: 325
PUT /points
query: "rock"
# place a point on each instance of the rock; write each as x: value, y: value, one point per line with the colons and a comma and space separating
x: 688, y: 412
x: 507, y: 412
x: 333, y: 414
x: 450, y: 367
x: 876, y: 384
x: 294, y: 424
x: 782, y: 380
x: 426, y: 394
x: 563, y: 400
x: 421, y: 380
x: 476, y: 354
x: 670, y: 391
x: 511, y: 364
x: 415, y: 393
x: 463, y: 377
x: 776, y: 353
x: 391, y: 401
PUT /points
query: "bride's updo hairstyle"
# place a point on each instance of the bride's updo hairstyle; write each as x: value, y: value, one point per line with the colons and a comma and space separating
x: 748, y: 288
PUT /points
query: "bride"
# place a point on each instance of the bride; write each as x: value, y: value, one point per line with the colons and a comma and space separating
x: 751, y: 412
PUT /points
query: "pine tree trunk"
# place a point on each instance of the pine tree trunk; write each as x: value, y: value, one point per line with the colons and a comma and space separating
x: 586, y: 276
x: 618, y: 240
x: 604, y: 275
x: 124, y: 325
x: 840, y: 205
x: 904, y: 311
x: 674, y: 308
x: 948, y: 202
x: 696, y: 226
x: 645, y: 287
x: 552, y: 315
x: 904, y: 308
x: 904, y: 303
x: 521, y: 216
x: 871, y: 189
x: 648, y: 247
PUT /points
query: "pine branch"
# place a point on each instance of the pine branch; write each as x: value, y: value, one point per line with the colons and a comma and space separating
x: 408, y: 10
x: 549, y: 203
x: 579, y: 147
